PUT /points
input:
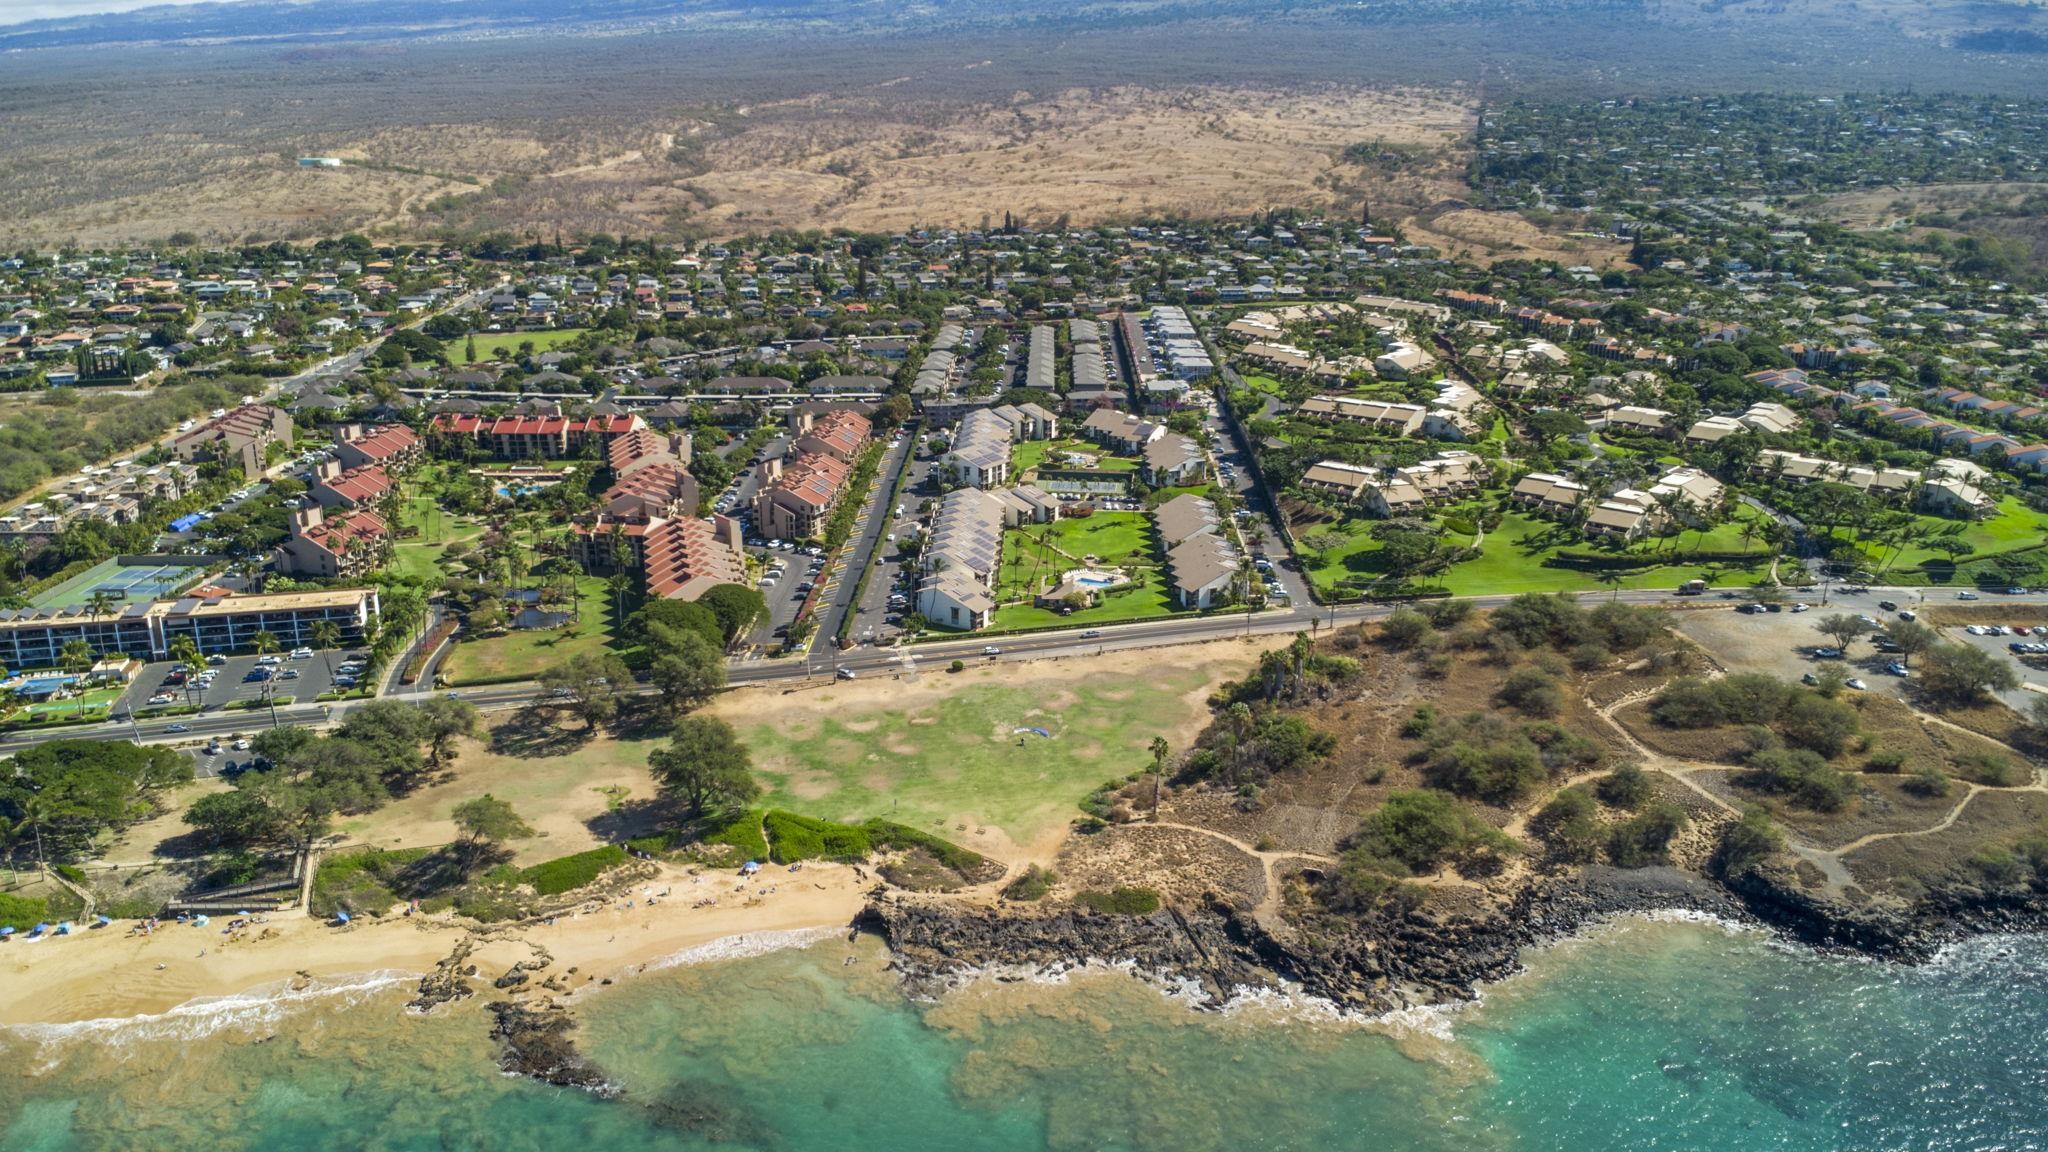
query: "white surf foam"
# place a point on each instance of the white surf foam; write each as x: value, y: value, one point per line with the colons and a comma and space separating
x: 196, y: 1019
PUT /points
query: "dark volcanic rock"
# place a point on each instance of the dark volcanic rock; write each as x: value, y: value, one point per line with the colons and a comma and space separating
x: 448, y: 981
x: 537, y: 1044
x: 702, y: 1110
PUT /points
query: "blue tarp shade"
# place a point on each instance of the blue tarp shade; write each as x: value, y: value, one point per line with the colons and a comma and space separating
x: 7, y: 931
x: 341, y: 917
x: 1039, y: 731
x: 188, y: 521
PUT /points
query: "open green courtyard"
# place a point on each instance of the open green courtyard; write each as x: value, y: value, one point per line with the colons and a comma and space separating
x: 505, y: 345
x: 522, y: 654
x: 1029, y: 454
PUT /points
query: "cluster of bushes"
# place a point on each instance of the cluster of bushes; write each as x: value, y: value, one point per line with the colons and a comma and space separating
x: 889, y: 834
x: 1031, y: 884
x: 2024, y: 864
x: 1415, y: 832
x: 1571, y: 826
x: 369, y: 880
x: 1797, y: 774
x: 1806, y: 720
x: 1123, y: 901
x: 1590, y: 637
x: 1484, y: 756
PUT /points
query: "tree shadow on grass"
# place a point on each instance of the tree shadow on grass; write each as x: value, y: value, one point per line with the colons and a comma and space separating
x: 636, y: 818
x: 536, y: 734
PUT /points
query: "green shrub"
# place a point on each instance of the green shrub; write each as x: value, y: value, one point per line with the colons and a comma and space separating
x: 1799, y: 775
x: 1988, y: 768
x: 1643, y: 839
x: 1747, y: 843
x: 744, y: 834
x: 1417, y: 831
x: 1884, y: 760
x: 1930, y: 781
x: 71, y: 872
x: 1625, y: 787
x: 1570, y: 825
x: 1120, y: 901
x: 888, y: 834
x: 1420, y: 722
x: 1031, y: 884
x: 22, y: 913
x: 364, y: 881
x: 568, y: 873
x: 1533, y: 691
x: 792, y: 838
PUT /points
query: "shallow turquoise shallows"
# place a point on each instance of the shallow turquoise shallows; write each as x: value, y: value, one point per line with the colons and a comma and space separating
x: 1668, y: 1035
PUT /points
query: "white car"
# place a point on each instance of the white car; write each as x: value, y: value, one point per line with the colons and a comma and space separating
x: 1966, y: 595
x: 1856, y: 683
x: 1977, y: 630
x: 991, y: 650
x: 1802, y: 607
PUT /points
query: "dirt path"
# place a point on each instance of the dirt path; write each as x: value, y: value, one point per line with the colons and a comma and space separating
x: 84, y: 894
x: 1267, y: 911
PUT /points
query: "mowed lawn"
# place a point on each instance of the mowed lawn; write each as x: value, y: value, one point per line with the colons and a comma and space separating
x: 1512, y: 558
x: 958, y: 757
x: 1036, y: 556
x: 505, y: 345
x: 1029, y: 454
x: 2014, y: 526
x: 523, y: 655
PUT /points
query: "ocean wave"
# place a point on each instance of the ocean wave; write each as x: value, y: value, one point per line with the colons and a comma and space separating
x: 196, y: 1019
x: 743, y: 945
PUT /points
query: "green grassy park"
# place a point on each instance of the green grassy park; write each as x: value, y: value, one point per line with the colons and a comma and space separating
x: 505, y: 345
x: 940, y: 759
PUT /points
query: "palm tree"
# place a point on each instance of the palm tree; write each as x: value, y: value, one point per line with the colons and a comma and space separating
x: 75, y: 656
x: 326, y: 635
x: 263, y: 642
x: 100, y: 603
x: 1159, y: 752
x: 185, y: 651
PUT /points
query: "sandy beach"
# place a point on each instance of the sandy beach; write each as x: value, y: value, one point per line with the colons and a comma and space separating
x: 110, y: 974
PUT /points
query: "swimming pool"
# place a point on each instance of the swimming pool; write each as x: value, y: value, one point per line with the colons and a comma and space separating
x: 1092, y: 581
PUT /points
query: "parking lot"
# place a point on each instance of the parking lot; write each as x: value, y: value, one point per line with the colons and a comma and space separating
x: 298, y: 680
x: 1783, y: 643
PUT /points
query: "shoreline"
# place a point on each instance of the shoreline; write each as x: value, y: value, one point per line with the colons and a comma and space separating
x: 109, y: 975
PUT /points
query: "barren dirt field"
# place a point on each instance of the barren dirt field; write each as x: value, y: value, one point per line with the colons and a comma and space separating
x: 871, y: 159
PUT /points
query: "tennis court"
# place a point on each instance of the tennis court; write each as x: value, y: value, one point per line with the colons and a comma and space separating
x: 142, y: 582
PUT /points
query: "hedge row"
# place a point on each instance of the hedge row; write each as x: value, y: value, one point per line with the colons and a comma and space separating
x: 792, y: 838
x: 744, y: 834
x: 567, y: 873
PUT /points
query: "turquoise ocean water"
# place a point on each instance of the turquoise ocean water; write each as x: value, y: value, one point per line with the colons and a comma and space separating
x: 1646, y: 1034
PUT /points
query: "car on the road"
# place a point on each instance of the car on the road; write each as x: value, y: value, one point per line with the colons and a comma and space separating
x: 1888, y: 605
x: 1092, y: 634
x: 2015, y: 591
x: 177, y: 727
x: 1856, y: 683
x: 844, y: 673
x: 991, y: 650
x: 1966, y: 595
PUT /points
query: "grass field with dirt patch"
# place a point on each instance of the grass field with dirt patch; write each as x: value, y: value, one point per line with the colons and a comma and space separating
x: 933, y: 762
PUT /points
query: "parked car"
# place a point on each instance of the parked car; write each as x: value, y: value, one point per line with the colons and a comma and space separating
x: 1827, y: 653
x: 1857, y: 684
x: 1895, y: 669
x: 844, y: 673
x: 1802, y: 607
x: 216, y: 660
